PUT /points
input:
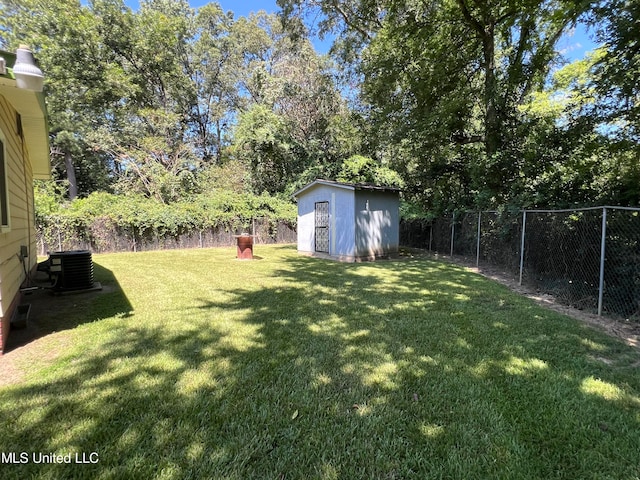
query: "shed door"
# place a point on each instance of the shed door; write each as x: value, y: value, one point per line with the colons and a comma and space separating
x: 322, y: 227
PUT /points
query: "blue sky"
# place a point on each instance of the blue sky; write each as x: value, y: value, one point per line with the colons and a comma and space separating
x: 576, y: 43
x: 242, y: 8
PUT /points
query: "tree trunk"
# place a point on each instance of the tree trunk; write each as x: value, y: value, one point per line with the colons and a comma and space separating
x: 491, y: 121
x: 71, y: 175
x: 485, y: 29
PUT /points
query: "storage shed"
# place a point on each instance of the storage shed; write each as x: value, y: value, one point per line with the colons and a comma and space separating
x: 348, y: 222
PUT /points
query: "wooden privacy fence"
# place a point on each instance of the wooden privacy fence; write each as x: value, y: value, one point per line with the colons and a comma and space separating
x: 103, y: 237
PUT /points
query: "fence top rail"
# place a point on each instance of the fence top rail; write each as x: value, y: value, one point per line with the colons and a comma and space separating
x: 566, y: 210
x: 632, y: 209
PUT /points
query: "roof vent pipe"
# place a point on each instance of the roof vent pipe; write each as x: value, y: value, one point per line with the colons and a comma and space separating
x: 28, y: 75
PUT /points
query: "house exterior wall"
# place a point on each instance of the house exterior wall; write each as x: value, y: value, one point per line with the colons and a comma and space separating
x: 377, y: 224
x: 21, y: 230
x: 341, y: 223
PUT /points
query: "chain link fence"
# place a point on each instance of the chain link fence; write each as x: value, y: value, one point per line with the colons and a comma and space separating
x: 586, y: 258
x: 562, y: 255
x: 621, y: 283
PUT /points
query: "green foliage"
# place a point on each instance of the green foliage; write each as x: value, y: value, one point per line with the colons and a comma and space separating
x: 413, y: 211
x: 448, y: 76
x: 231, y: 175
x: 359, y: 169
x: 570, y: 95
x: 263, y: 140
x: 138, y: 216
x: 463, y: 99
x: 569, y: 154
x: 49, y: 197
x: 443, y: 86
x: 299, y: 125
x: 618, y: 72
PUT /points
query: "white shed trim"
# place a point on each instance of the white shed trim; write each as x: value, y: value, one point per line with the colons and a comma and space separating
x: 346, y: 186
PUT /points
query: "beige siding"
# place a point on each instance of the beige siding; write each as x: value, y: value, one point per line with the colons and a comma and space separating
x: 21, y: 230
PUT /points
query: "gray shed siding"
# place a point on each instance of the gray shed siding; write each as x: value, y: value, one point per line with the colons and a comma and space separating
x: 341, y: 223
x: 377, y: 220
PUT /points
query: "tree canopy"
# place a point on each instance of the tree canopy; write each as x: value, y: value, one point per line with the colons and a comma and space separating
x: 452, y: 91
x: 466, y: 103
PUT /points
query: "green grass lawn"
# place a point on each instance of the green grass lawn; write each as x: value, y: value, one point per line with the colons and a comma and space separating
x: 201, y: 366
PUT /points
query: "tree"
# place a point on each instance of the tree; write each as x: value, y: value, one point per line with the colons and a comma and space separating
x: 618, y: 73
x: 359, y: 169
x: 148, y: 100
x: 263, y: 141
x: 442, y: 81
x: 297, y: 125
x: 79, y: 79
x: 213, y: 64
x: 571, y: 154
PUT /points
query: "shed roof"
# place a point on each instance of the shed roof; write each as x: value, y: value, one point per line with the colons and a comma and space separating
x: 346, y: 186
x: 33, y: 112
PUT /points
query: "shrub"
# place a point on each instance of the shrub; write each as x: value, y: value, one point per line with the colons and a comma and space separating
x: 137, y: 217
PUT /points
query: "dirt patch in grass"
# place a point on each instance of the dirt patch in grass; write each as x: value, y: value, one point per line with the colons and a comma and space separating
x: 41, y: 352
x: 47, y: 335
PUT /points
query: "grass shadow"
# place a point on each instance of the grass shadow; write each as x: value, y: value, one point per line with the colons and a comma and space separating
x: 53, y: 313
x: 295, y: 367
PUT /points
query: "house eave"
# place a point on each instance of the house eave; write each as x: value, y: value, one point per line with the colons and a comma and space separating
x: 33, y: 113
x: 31, y: 107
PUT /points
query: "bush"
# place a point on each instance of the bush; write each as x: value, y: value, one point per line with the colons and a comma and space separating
x: 103, y: 215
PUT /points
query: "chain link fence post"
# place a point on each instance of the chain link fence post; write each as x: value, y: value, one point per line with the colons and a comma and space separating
x: 453, y: 231
x: 478, y: 244
x: 431, y: 236
x: 602, y: 253
x: 524, y: 228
